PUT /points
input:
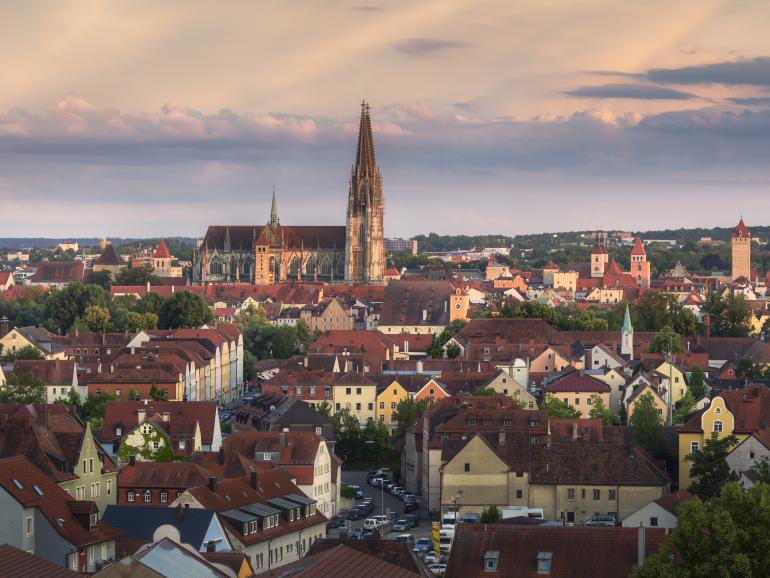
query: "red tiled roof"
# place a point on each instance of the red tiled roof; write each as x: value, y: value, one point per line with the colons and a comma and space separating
x: 296, y: 455
x: 574, y: 381
x: 180, y: 475
x: 109, y: 257
x: 54, y: 503
x: 124, y: 414
x: 672, y: 501
x: 161, y: 251
x: 577, y: 552
x: 342, y: 560
x: 638, y: 249
x: 18, y: 564
x: 741, y: 230
x: 51, y: 371
x: 58, y: 272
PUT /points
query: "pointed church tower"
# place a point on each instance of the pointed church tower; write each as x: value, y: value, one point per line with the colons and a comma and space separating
x: 274, y: 220
x: 640, y: 267
x: 599, y: 257
x: 741, y: 250
x: 364, y: 248
x: 627, y: 336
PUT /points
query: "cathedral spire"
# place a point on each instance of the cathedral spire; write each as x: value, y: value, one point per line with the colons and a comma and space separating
x: 274, y: 220
x: 365, y: 164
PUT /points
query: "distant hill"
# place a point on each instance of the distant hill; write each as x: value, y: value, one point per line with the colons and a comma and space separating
x: 48, y: 242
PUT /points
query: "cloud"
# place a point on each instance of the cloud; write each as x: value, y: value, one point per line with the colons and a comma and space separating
x: 752, y: 101
x: 753, y: 71
x: 635, y: 91
x: 427, y: 46
x: 368, y: 8
x: 619, y: 73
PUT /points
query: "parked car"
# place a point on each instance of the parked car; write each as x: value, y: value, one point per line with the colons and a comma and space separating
x: 408, y: 538
x: 335, y: 522
x: 404, y: 496
x: 359, y: 492
x: 423, y: 545
x: 374, y: 474
x: 471, y: 518
x: 384, y: 521
x: 355, y: 514
x: 401, y: 526
x: 601, y: 521
x: 395, y: 489
x: 371, y: 524
x: 386, y: 485
x: 413, y: 519
x: 430, y: 557
x: 368, y: 508
x: 437, y: 569
x: 410, y: 506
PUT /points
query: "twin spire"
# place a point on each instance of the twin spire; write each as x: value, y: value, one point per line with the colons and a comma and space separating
x: 365, y: 163
x: 274, y: 220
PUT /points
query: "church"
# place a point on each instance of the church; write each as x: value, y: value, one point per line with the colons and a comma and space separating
x: 275, y: 253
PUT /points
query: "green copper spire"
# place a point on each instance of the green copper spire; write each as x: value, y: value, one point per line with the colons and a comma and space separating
x: 274, y: 220
x: 627, y: 327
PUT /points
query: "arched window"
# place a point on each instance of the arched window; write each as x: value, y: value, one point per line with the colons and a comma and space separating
x: 215, y: 267
x: 246, y: 269
x: 361, y: 236
x: 340, y: 268
x: 326, y: 267
x: 310, y: 267
x: 294, y: 267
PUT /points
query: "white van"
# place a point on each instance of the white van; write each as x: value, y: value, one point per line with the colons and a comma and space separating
x: 449, y: 519
x: 371, y: 524
x: 383, y: 521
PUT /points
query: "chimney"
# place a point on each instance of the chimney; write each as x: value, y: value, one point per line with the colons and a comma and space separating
x: 640, y: 545
x: 166, y: 416
x: 253, y: 479
x: 131, y: 460
x: 419, y: 366
x: 141, y: 414
x: 574, y: 431
x: 213, y: 483
x: 179, y: 512
x: 221, y: 455
x: 99, y: 367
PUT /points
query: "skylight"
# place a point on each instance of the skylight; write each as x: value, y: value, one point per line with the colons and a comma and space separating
x: 17, y: 483
x: 38, y: 490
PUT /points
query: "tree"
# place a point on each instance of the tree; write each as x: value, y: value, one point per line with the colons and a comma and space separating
x: 97, y: 318
x: 666, y: 341
x: 490, y: 515
x: 151, y: 302
x: 453, y: 350
x: 133, y: 394
x: 73, y: 398
x: 158, y: 394
x: 601, y: 411
x: 485, y: 392
x: 646, y: 425
x: 725, y: 536
x: 697, y: 383
x: 184, y: 309
x: 24, y: 388
x: 94, y: 406
x: 710, y: 468
x: 534, y: 310
x: 685, y: 407
x: 64, y: 307
x: 102, y: 278
x: 762, y: 469
x: 557, y: 408
x: 284, y: 342
x: 26, y: 352
x: 407, y: 412
x: 249, y: 366
x: 136, y: 276
x: 730, y: 316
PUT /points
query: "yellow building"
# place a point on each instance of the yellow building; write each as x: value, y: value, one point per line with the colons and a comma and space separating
x: 37, y: 337
x: 735, y: 411
x: 388, y: 398
x: 357, y: 394
x: 678, y: 385
x: 576, y: 389
x: 633, y: 400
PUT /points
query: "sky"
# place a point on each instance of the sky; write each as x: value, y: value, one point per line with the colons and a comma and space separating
x: 146, y: 118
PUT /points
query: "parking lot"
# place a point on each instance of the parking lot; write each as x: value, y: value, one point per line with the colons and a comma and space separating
x: 384, y: 502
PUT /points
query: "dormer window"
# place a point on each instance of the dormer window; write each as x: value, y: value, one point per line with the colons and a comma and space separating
x: 93, y: 520
x: 246, y: 529
x: 253, y: 526
x: 471, y: 422
x: 544, y: 562
x: 491, y: 557
x: 487, y: 421
x: 118, y: 431
x: 534, y: 423
x: 507, y: 422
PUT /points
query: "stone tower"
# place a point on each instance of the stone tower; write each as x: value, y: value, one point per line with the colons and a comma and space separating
x: 640, y: 267
x: 364, y: 248
x: 599, y: 257
x: 627, y: 336
x: 741, y: 245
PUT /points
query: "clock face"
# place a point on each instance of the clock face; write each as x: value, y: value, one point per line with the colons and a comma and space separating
x: 457, y: 305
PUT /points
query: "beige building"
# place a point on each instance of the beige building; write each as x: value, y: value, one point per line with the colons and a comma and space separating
x: 504, y: 384
x: 357, y: 394
x: 577, y: 390
x: 328, y: 315
x: 569, y: 481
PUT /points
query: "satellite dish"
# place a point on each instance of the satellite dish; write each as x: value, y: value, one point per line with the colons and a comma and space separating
x: 167, y: 531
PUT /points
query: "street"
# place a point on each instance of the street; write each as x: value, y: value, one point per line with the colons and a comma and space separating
x: 391, y: 504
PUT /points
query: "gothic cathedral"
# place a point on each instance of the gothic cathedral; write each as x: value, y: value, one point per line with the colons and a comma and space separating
x: 275, y: 253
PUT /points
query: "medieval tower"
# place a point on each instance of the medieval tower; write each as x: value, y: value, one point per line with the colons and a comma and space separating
x: 741, y: 248
x: 364, y: 248
x: 640, y: 266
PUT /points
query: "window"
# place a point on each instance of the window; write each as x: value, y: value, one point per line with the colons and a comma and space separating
x: 590, y: 401
x: 80, y: 493
x: 147, y: 496
x: 570, y: 493
x: 358, y: 391
x: 181, y: 444
x: 519, y: 494
x: 718, y: 426
x: 751, y: 454
x: 467, y: 467
x: 544, y: 562
x: 109, y: 487
x: 371, y: 407
x: 347, y: 406
x: 91, y: 465
x: 507, y: 422
x: 612, y: 494
x: 312, y: 389
x: 358, y: 407
x: 382, y: 405
x: 597, y: 494
x: 131, y: 495
x: 298, y: 390
x: 583, y: 493
x: 118, y: 431
x: 653, y: 522
x: 534, y: 440
x: 164, y: 497
x: 155, y: 445
x: 471, y: 422
x: 347, y: 391
x: 266, y: 457
x: 30, y: 525
x: 392, y: 405
x: 577, y: 401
